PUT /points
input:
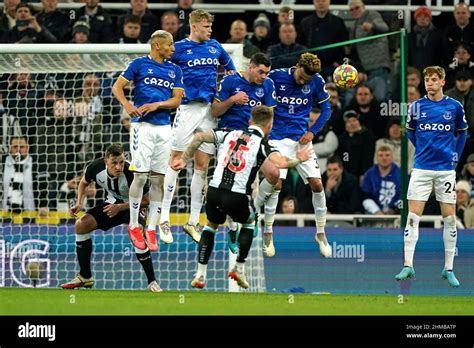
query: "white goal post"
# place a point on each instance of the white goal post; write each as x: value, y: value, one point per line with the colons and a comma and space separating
x: 59, y: 96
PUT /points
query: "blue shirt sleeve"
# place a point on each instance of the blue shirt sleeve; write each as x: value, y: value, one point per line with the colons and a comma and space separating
x: 412, y: 116
x: 270, y: 94
x: 224, y: 90
x: 323, y: 117
x: 225, y: 60
x: 461, y: 123
x: 131, y: 71
x: 178, y: 81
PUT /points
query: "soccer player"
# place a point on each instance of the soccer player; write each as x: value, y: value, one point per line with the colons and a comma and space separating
x: 236, y: 95
x: 158, y: 89
x: 298, y: 89
x: 111, y: 173
x: 241, y: 154
x: 432, y: 124
x: 199, y: 57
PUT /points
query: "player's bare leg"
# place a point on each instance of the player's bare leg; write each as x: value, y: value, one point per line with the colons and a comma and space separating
x: 319, y: 205
x: 450, y: 236
x: 206, y: 244
x: 269, y: 190
x: 135, y: 231
x: 83, y: 228
x: 156, y: 195
x: 410, y: 238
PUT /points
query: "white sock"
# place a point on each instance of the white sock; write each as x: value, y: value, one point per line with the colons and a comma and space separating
x: 135, y: 196
x: 411, y: 237
x: 202, y: 271
x: 82, y: 237
x: 231, y: 224
x: 240, y: 267
x: 156, y: 194
x: 197, y: 187
x: 319, y: 205
x: 265, y: 189
x: 169, y: 186
x: 270, y: 210
x: 450, y: 237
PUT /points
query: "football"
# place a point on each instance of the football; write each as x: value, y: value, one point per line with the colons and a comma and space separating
x: 345, y: 76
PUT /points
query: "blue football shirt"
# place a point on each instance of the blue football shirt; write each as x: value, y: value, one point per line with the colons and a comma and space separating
x: 294, y: 103
x: 153, y: 82
x: 435, y: 124
x: 199, y: 62
x: 238, y: 115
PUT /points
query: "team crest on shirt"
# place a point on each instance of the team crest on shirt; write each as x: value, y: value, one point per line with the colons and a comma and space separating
x: 447, y: 115
x: 259, y: 92
x: 212, y: 50
x: 171, y: 74
x: 306, y: 89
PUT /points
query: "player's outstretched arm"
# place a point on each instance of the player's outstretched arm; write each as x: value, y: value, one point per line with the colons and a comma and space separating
x: 198, y: 139
x: 303, y: 154
x: 118, y: 92
x: 81, y: 193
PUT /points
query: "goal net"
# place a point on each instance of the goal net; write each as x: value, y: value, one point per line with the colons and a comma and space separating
x: 59, y: 97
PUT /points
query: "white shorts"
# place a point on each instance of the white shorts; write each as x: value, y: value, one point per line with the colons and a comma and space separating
x: 307, y: 169
x: 191, y: 118
x: 149, y: 147
x: 422, y: 183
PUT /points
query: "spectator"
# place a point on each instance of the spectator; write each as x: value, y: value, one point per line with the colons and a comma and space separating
x: 335, y: 121
x: 27, y: 28
x: 261, y: 30
x: 20, y: 182
x: 81, y: 32
x: 381, y: 185
x: 238, y: 34
x: 464, y: 204
x: 368, y: 109
x: 10, y: 127
x: 288, y: 205
x: 463, y: 93
x: 293, y: 185
x: 149, y: 22
x: 121, y: 133
x: 185, y: 7
x: 99, y: 21
x: 393, y: 140
x: 285, y: 16
x: 325, y: 142
x: 170, y: 23
x: 131, y: 30
x: 467, y: 173
x: 413, y: 94
x: 7, y: 18
x: 356, y: 145
x: 342, y: 189
x: 414, y: 79
x: 320, y: 29
x: 66, y: 195
x: 461, y: 32
x: 87, y: 122
x: 425, y: 41
x: 462, y: 61
x: 281, y: 53
x: 373, y: 54
x: 54, y: 20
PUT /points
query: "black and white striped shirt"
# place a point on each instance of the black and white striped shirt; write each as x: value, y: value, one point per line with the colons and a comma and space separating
x: 117, y: 187
x: 240, y: 155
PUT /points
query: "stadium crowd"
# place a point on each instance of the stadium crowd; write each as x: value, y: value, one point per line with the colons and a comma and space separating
x: 55, y: 123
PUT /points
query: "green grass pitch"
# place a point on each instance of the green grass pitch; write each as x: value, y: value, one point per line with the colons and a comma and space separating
x: 15, y: 301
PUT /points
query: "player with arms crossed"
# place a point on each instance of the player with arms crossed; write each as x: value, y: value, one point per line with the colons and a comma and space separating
x: 432, y: 124
x: 158, y: 89
x: 199, y: 57
x: 236, y: 95
x: 298, y: 89
x: 241, y: 154
x: 112, y: 174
